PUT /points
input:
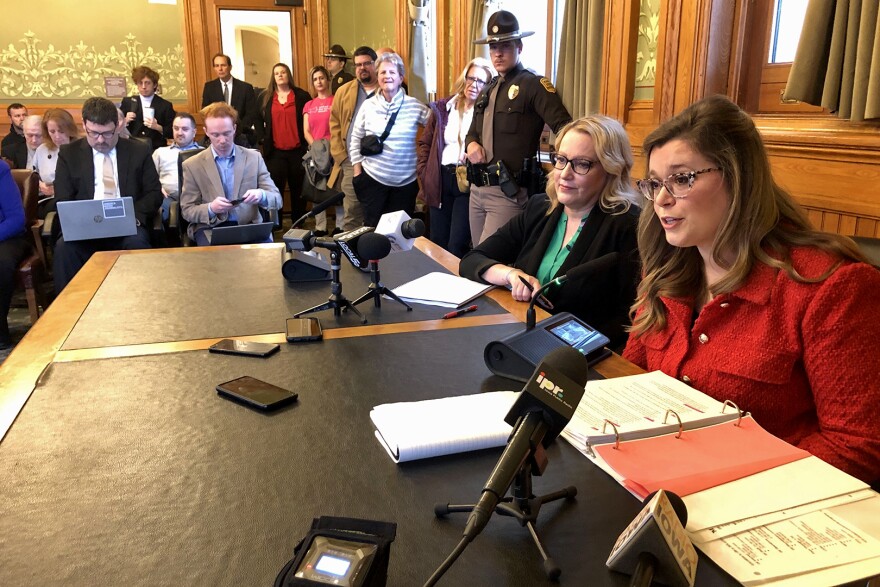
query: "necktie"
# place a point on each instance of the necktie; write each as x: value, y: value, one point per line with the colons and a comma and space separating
x: 225, y: 93
x: 488, y: 119
x: 109, y: 179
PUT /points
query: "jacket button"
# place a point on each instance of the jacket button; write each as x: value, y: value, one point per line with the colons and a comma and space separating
x: 724, y: 304
x: 686, y: 379
x: 704, y: 339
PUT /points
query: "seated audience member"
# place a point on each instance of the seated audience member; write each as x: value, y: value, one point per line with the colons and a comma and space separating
x: 441, y: 152
x: 148, y: 115
x: 24, y: 154
x: 225, y: 184
x: 745, y: 301
x: 102, y: 165
x: 13, y: 245
x: 165, y: 158
x: 587, y: 218
x: 386, y: 182
x: 58, y: 129
x: 17, y: 113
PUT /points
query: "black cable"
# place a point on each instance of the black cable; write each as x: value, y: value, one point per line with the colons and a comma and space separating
x: 453, y: 556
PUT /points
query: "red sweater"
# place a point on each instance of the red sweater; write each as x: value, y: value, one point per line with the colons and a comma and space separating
x: 803, y: 358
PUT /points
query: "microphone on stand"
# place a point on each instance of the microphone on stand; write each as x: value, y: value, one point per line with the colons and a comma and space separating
x: 601, y: 264
x: 372, y: 247
x: 318, y: 208
x: 656, y: 544
x: 546, y: 404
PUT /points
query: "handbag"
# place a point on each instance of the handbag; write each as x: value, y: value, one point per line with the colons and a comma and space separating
x: 373, y: 145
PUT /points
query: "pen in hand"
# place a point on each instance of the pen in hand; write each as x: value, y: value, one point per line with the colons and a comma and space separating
x: 542, y: 301
x: 461, y: 312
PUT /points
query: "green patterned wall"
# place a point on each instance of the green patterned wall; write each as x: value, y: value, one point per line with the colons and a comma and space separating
x: 646, y: 55
x: 60, y: 50
x: 354, y: 23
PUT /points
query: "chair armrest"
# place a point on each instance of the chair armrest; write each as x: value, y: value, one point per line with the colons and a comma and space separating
x: 174, y: 214
x: 48, y: 223
x: 36, y: 233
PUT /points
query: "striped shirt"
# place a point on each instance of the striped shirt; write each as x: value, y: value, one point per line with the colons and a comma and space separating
x: 396, y: 164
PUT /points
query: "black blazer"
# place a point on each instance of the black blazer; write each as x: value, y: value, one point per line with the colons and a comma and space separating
x: 9, y: 143
x: 264, y: 125
x: 243, y: 99
x: 18, y: 155
x: 164, y: 116
x: 138, y: 178
x: 603, y: 296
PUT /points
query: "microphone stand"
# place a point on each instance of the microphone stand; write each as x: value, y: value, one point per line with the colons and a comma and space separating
x: 377, y: 289
x: 522, y: 504
x: 530, y: 311
x: 337, y: 300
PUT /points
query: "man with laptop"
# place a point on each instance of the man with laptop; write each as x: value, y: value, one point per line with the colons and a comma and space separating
x: 107, y: 192
x: 225, y: 186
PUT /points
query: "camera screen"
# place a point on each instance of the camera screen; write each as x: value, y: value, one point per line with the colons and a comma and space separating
x: 333, y: 565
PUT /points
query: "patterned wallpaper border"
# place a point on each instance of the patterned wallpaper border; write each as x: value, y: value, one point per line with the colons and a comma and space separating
x: 32, y: 69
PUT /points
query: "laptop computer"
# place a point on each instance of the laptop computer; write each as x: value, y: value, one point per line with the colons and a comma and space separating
x: 90, y: 219
x: 242, y: 234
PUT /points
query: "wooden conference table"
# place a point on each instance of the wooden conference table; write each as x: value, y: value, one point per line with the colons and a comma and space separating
x: 120, y: 465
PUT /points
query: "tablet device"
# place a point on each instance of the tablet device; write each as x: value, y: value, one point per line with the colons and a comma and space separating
x: 255, y: 393
x: 229, y: 346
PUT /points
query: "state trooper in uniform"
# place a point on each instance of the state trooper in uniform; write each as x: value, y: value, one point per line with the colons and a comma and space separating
x: 335, y: 61
x: 505, y: 133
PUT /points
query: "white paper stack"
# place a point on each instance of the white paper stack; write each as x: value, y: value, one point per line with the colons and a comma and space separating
x: 431, y: 428
x: 441, y: 289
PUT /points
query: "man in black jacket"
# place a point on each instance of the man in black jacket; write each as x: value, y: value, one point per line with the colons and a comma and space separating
x: 17, y: 113
x: 103, y: 165
x: 238, y: 94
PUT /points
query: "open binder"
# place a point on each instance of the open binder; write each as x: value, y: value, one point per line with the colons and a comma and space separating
x: 653, y: 432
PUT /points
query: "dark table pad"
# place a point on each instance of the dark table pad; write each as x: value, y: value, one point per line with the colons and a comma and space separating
x: 184, y: 295
x: 133, y: 471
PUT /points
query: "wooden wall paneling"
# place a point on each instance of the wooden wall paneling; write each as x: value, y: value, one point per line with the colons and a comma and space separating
x: 196, y: 52
x: 618, y: 58
x: 444, y: 50
x: 719, y: 47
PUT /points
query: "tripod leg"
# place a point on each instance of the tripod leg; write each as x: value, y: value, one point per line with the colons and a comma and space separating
x: 384, y: 290
x: 319, y: 308
x: 370, y: 293
x: 550, y: 568
x: 346, y: 305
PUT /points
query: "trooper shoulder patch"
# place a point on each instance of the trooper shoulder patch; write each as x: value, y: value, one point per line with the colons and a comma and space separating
x: 547, y: 85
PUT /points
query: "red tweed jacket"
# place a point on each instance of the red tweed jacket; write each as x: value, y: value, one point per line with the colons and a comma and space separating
x: 803, y: 358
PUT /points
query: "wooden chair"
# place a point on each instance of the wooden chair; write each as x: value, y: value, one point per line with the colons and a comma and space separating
x: 32, y: 273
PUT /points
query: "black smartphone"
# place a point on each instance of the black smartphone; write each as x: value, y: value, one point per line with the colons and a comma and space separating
x: 229, y: 346
x: 256, y: 393
x: 304, y: 329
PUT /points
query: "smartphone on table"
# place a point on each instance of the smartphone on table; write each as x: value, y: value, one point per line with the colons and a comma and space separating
x: 230, y: 346
x: 255, y: 393
x: 304, y: 330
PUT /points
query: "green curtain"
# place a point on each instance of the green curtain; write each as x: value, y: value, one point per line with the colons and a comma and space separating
x: 837, y: 63
x: 579, y: 68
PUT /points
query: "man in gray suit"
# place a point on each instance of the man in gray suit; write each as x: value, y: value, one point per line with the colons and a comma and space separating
x: 225, y: 184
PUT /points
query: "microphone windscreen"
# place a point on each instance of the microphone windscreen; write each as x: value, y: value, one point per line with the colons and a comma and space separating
x: 374, y: 246
x: 412, y: 228
x: 676, y: 502
x: 569, y: 362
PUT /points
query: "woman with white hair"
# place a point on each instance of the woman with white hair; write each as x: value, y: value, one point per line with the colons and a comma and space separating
x: 383, y: 144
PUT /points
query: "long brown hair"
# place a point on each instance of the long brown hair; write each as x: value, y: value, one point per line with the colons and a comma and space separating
x: 762, y: 224
x: 269, y: 93
x: 65, y: 122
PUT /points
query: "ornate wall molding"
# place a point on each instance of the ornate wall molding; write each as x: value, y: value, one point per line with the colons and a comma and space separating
x: 37, y: 70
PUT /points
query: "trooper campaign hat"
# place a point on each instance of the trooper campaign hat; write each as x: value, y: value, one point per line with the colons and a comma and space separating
x: 337, y: 51
x: 502, y: 26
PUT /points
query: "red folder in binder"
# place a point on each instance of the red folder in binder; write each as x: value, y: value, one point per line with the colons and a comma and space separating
x: 697, y: 459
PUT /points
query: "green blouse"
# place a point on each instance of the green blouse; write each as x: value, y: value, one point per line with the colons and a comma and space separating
x: 557, y: 252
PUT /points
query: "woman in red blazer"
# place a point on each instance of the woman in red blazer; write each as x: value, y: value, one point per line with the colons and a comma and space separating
x: 744, y: 300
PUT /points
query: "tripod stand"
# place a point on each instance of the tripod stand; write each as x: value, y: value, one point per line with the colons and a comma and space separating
x: 337, y: 300
x: 523, y: 504
x: 377, y: 290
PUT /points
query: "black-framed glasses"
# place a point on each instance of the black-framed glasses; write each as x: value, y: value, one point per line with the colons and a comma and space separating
x: 475, y: 81
x: 678, y: 184
x: 106, y: 135
x: 363, y: 64
x: 579, y: 166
